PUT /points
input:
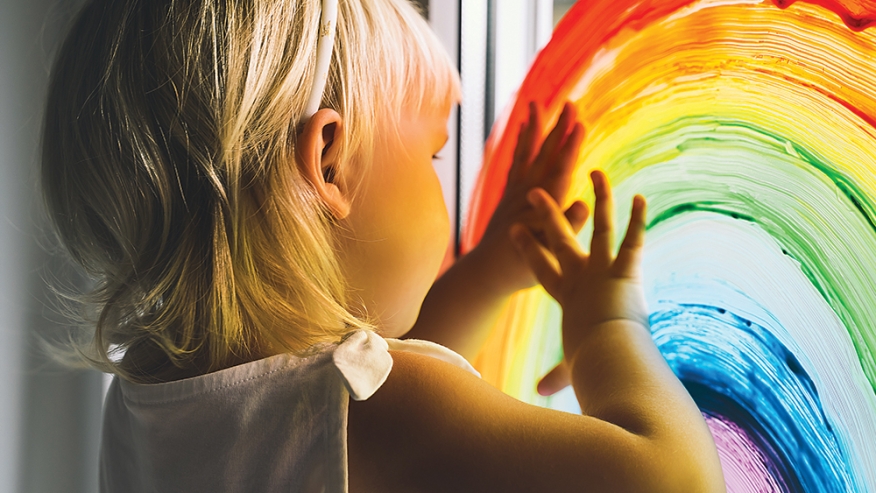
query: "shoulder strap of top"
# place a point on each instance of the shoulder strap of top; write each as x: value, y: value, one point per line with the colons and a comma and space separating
x: 364, y: 362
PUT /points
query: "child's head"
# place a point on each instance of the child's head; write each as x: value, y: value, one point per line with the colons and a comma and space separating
x: 176, y: 170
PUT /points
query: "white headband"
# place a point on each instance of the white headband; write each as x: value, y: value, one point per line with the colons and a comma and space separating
x: 325, y: 47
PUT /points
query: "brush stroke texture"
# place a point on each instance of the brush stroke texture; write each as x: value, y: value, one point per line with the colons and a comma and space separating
x: 751, y: 128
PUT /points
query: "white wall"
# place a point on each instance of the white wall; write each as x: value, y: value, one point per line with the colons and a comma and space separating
x: 49, y: 418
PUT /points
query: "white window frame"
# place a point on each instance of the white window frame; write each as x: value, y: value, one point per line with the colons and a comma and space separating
x: 493, y: 43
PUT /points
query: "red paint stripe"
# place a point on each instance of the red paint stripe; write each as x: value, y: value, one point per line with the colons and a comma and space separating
x: 856, y: 14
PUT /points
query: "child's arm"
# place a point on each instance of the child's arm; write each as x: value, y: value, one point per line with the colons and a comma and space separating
x: 463, y: 304
x: 461, y: 307
x: 435, y: 428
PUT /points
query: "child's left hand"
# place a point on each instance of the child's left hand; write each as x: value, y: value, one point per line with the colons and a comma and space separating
x: 548, y: 166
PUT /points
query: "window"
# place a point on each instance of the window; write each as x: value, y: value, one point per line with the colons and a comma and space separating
x: 493, y: 42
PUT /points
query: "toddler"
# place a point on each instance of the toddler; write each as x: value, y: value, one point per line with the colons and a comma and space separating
x: 250, y: 186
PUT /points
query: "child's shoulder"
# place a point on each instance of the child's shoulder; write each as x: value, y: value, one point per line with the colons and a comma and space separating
x: 433, y: 426
x: 429, y: 416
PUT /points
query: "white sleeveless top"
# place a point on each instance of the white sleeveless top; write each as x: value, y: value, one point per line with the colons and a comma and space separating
x: 274, y: 425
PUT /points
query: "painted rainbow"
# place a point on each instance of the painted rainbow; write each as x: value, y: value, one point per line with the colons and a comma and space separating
x: 750, y: 126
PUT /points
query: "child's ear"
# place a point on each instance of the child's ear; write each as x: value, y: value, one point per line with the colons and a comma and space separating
x: 318, y: 159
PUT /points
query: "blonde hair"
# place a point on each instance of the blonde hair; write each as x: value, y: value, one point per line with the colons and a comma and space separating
x: 169, y: 171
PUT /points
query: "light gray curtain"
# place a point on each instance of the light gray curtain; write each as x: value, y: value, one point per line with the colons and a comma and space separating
x: 49, y: 417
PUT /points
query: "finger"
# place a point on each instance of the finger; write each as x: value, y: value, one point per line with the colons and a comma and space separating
x: 603, y: 221
x: 553, y: 141
x: 543, y: 267
x: 629, y: 258
x: 517, y: 162
x: 558, y: 174
x: 577, y: 215
x: 556, y: 380
x: 525, y: 143
x: 536, y: 124
x: 560, y: 235
x: 521, y: 150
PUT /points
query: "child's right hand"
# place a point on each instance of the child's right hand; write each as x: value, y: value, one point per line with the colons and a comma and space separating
x: 591, y: 289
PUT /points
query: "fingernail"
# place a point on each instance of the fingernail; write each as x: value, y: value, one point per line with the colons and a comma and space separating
x: 542, y: 390
x: 639, y: 201
x: 533, y: 197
